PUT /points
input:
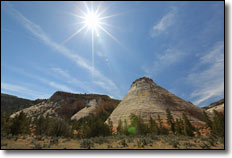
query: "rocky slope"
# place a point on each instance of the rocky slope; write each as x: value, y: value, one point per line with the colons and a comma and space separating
x: 10, y: 103
x: 218, y: 106
x: 145, y: 99
x: 65, y: 105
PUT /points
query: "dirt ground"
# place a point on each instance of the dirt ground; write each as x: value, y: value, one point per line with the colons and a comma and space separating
x: 111, y: 142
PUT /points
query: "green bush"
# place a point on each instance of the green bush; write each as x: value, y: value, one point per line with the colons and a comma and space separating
x: 86, y: 143
x: 20, y: 124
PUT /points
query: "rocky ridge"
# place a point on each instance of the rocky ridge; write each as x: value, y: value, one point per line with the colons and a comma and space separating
x: 65, y: 105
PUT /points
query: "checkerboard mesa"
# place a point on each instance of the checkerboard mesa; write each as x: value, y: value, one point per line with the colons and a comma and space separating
x: 145, y: 98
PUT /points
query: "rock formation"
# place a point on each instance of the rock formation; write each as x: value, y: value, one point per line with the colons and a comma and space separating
x: 218, y: 106
x: 145, y: 99
x: 10, y: 103
x: 65, y: 105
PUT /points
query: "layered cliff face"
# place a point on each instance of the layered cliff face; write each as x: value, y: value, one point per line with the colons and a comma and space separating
x: 65, y: 105
x: 145, y: 99
x: 218, y: 106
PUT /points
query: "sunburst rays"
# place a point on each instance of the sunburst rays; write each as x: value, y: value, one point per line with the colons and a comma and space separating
x: 92, y: 19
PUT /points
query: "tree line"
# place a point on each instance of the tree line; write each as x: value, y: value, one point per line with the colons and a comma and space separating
x: 95, y: 125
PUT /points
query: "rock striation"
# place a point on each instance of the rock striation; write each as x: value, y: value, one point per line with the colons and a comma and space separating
x: 218, y: 106
x: 145, y: 98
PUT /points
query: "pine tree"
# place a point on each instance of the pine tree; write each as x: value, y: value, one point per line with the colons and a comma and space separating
x: 125, y: 128
x: 137, y: 122
x: 153, y: 127
x: 207, y: 120
x: 160, y: 121
x: 188, y: 128
x: 178, y: 127
x: 41, y: 126
x: 20, y: 124
x: 170, y: 120
x: 110, y: 123
x: 162, y: 130
x: 218, y: 124
x: 119, y: 128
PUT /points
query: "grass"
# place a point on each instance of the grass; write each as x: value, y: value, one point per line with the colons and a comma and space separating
x: 112, y: 142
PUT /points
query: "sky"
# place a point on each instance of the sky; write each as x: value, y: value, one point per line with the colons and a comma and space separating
x: 180, y: 45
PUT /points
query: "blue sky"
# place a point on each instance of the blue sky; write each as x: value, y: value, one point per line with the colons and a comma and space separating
x: 180, y: 45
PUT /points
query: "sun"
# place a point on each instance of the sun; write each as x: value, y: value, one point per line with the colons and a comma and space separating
x: 92, y: 20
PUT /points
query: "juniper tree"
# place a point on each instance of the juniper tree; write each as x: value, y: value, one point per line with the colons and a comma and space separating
x: 188, y: 128
x: 218, y: 124
x: 137, y: 122
x: 207, y: 120
x: 119, y: 128
x: 125, y: 128
x: 178, y: 127
x: 170, y: 120
x: 110, y: 123
x: 162, y: 130
x: 153, y: 127
x: 20, y: 124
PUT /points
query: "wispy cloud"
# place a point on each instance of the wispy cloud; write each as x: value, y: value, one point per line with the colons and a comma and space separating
x: 64, y: 75
x: 38, y: 32
x: 8, y: 87
x: 208, y: 75
x: 56, y: 85
x: 60, y: 86
x: 103, y: 55
x: 169, y: 58
x: 165, y: 22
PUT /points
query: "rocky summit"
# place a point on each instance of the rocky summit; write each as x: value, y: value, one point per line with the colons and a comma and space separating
x: 145, y: 98
x: 66, y: 105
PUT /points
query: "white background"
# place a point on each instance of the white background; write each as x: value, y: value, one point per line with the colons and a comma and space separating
x: 154, y: 153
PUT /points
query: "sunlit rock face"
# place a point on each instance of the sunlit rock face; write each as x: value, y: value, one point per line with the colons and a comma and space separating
x: 86, y: 111
x: 67, y: 105
x: 217, y: 106
x: 145, y: 99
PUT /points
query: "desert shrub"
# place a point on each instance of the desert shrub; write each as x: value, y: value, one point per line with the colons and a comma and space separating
x: 19, y: 125
x: 86, y: 143
x: 109, y: 146
x: 141, y: 142
x: 3, y: 144
x: 174, y: 143
x: 5, y: 128
x: 155, y: 138
x: 54, y: 141
x: 37, y: 146
x: 91, y: 126
x: 123, y: 143
x: 130, y: 139
x: 41, y: 125
x: 99, y: 140
x: 189, y: 145
x: 46, y: 145
x: 58, y: 127
x: 204, y: 146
